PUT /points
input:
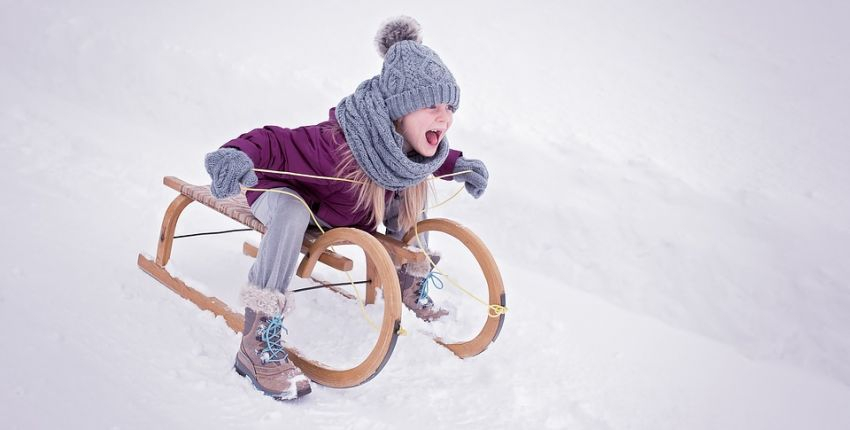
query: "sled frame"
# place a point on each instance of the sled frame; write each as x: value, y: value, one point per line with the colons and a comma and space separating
x: 383, y: 254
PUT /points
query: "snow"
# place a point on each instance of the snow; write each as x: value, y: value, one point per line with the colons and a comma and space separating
x: 666, y: 204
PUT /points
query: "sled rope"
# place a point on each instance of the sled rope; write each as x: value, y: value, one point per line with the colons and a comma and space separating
x: 304, y: 175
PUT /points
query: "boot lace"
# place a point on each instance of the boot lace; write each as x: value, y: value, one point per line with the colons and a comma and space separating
x: 271, y: 336
x: 430, y: 278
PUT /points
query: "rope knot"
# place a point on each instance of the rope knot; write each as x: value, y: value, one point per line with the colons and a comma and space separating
x: 494, y: 311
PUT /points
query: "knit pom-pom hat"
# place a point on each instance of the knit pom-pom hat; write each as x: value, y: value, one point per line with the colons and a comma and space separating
x: 413, y: 76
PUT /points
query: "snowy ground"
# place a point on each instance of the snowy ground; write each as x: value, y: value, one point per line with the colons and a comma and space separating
x: 667, y: 206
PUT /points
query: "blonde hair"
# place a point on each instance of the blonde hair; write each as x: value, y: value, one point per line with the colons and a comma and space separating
x: 371, y: 197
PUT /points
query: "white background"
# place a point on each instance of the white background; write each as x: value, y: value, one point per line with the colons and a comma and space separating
x: 667, y: 204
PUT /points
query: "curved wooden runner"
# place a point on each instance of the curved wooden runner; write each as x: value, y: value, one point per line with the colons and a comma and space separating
x: 381, y: 273
x: 495, y: 287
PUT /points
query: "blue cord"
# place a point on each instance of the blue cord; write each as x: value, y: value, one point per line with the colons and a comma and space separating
x: 272, y: 338
x: 423, y: 286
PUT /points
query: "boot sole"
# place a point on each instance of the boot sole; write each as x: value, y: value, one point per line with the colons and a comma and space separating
x: 298, y: 387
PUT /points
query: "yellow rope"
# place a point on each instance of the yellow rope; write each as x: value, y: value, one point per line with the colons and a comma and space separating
x: 449, y: 175
x: 304, y: 175
x: 444, y: 201
x: 332, y: 178
x: 493, y: 310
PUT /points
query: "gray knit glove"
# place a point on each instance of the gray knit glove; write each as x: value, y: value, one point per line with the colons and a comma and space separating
x: 476, y: 180
x: 228, y: 168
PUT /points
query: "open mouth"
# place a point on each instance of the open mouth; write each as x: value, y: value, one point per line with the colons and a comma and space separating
x: 433, y: 136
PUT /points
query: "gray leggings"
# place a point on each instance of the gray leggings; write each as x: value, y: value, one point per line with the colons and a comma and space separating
x: 286, y: 219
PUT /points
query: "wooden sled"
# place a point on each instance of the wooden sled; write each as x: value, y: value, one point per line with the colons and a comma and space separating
x: 382, y: 254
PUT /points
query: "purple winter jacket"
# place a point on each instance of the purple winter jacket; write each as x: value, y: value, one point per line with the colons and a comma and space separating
x: 312, y: 150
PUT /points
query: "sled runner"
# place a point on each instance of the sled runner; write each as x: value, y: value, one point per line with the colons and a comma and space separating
x: 382, y: 255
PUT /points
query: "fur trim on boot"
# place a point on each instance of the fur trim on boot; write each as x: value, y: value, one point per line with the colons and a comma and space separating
x: 269, y: 302
x: 421, y: 269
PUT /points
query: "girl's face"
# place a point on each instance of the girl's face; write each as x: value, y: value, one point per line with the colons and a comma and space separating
x: 424, y: 129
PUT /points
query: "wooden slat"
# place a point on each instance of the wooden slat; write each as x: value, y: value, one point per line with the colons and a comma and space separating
x: 329, y: 258
x: 398, y: 250
x: 174, y: 183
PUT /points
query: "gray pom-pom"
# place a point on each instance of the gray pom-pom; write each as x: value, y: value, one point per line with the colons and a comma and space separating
x: 395, y: 30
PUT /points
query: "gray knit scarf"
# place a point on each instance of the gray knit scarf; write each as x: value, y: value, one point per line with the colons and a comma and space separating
x: 376, y: 145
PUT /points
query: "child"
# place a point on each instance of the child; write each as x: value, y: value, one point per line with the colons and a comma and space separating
x: 389, y: 137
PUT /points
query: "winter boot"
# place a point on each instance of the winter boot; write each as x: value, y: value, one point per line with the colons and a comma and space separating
x: 413, y: 279
x: 261, y: 356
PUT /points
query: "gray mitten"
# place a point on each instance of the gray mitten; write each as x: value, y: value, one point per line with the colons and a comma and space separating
x: 228, y: 168
x: 474, y: 181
